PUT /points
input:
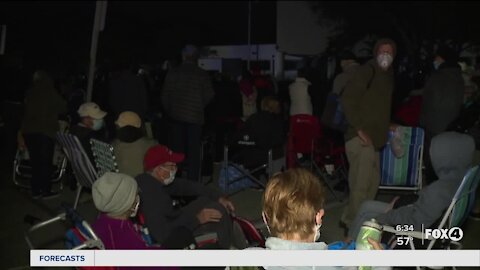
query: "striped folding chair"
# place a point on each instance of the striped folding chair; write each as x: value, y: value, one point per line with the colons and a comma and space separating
x: 404, y: 173
x: 104, y: 156
x: 84, y: 173
x: 455, y: 215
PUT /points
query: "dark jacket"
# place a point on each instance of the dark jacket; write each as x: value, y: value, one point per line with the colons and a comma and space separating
x: 442, y: 98
x: 43, y: 104
x: 157, y: 205
x: 186, y: 92
x: 368, y: 108
x: 128, y: 93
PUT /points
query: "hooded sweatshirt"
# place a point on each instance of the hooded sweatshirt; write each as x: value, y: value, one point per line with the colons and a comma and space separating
x: 452, y: 155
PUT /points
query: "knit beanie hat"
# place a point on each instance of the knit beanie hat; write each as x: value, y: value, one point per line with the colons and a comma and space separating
x: 114, y: 193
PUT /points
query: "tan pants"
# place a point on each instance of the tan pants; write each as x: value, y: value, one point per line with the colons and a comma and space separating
x: 363, y: 176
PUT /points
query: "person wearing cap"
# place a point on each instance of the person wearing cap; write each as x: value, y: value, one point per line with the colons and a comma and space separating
x: 90, y: 126
x: 442, y: 99
x: 366, y: 101
x: 208, y: 213
x: 43, y: 104
x: 186, y: 92
x: 131, y: 144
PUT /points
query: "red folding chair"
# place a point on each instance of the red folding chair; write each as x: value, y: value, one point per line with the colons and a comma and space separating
x: 303, y: 138
x: 306, y: 137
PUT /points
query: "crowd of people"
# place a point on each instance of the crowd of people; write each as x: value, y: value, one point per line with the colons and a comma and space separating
x: 193, y: 103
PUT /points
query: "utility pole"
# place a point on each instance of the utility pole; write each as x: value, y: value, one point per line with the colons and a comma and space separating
x: 249, y: 33
x: 3, y: 39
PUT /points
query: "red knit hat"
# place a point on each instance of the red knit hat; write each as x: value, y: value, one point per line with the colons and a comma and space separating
x: 160, y: 154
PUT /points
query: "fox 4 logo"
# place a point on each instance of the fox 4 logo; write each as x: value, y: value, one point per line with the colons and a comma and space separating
x: 454, y: 233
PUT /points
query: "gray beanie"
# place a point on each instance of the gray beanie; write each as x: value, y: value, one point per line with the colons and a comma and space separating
x: 114, y: 193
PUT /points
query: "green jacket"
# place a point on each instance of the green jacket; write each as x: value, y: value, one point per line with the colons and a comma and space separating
x: 130, y: 155
x: 368, y: 108
x: 43, y: 104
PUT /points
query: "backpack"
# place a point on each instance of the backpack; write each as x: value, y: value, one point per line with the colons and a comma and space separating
x: 333, y: 115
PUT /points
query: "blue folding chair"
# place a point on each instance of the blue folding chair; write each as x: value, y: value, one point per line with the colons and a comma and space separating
x: 455, y: 215
x: 404, y: 173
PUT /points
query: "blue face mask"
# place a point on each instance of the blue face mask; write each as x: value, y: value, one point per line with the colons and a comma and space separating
x: 97, y: 124
x: 436, y: 65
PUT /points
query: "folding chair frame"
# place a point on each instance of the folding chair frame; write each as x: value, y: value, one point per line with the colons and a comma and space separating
x: 83, y: 170
x: 469, y: 181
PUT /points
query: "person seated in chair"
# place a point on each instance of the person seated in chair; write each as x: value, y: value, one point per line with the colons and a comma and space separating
x: 294, y: 222
x: 209, y: 213
x: 263, y: 131
x: 91, y: 126
x: 451, y: 154
x: 115, y: 195
x: 131, y: 144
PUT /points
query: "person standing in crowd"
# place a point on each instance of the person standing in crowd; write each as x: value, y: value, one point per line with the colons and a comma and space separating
x: 131, y: 144
x: 91, y: 126
x: 442, y: 99
x: 43, y: 104
x: 186, y: 92
x: 127, y: 92
x: 300, y: 102
x: 349, y: 65
x: 366, y: 101
x: 208, y: 213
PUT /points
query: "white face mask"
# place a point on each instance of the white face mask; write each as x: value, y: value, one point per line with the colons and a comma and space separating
x: 384, y: 60
x: 170, y: 179
x: 316, y: 237
x: 135, y: 208
x: 97, y: 124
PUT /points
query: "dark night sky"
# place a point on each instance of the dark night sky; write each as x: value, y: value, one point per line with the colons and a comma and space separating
x: 141, y: 29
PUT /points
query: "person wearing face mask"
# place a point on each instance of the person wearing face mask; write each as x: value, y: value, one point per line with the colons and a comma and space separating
x: 366, y: 102
x: 116, y: 196
x: 295, y: 222
x: 207, y: 214
x: 91, y: 126
x: 442, y: 99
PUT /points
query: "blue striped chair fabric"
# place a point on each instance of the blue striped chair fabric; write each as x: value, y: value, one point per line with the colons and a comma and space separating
x: 404, y: 171
x: 82, y: 167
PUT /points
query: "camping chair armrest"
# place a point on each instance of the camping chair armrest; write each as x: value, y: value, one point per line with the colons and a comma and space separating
x: 414, y: 234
